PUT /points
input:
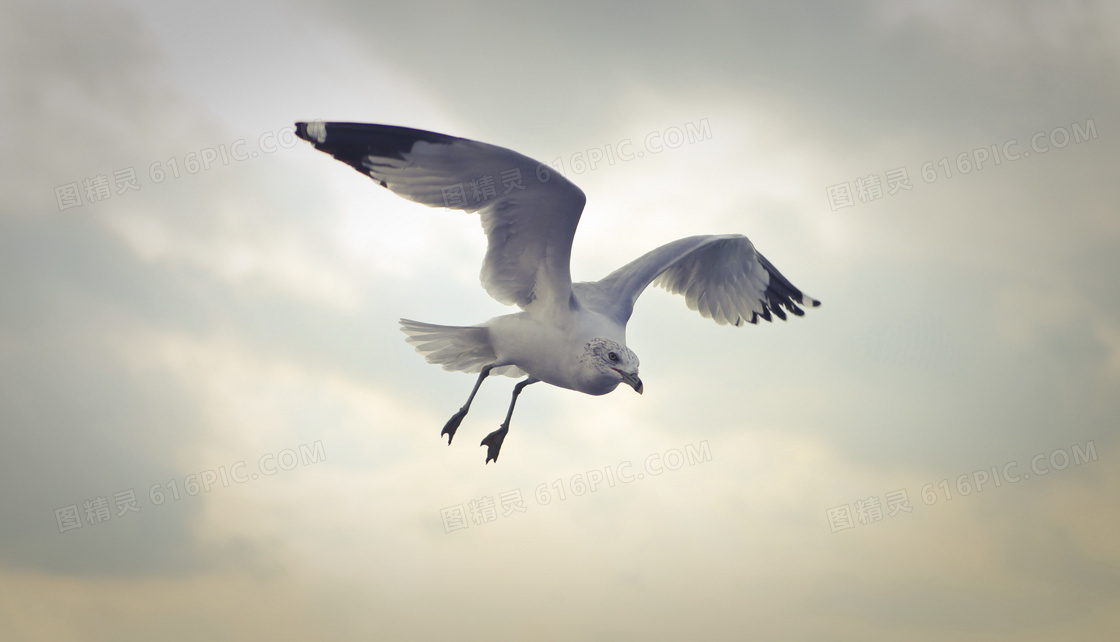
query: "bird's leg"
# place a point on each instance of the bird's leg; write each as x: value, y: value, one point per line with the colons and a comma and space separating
x: 453, y: 424
x: 493, y: 441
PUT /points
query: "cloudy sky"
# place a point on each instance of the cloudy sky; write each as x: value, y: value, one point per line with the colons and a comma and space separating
x: 210, y: 425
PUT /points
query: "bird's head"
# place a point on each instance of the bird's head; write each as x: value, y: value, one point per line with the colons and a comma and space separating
x: 607, y: 363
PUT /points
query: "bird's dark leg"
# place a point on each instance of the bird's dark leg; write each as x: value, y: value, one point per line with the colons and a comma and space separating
x: 456, y: 419
x: 493, y: 441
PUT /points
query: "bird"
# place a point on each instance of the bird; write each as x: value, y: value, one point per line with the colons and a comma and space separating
x: 569, y: 335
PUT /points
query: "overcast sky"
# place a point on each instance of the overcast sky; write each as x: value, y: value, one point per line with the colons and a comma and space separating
x: 211, y: 426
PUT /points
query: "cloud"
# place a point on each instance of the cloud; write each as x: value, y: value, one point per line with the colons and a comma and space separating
x: 230, y: 314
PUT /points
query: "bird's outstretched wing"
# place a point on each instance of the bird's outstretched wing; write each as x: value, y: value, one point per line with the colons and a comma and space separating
x: 529, y: 212
x: 721, y: 276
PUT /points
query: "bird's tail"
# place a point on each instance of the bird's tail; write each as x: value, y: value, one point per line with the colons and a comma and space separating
x: 456, y: 348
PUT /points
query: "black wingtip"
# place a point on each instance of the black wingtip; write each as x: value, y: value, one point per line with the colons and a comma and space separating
x: 364, y: 146
x: 775, y: 305
x: 314, y: 132
x: 808, y: 301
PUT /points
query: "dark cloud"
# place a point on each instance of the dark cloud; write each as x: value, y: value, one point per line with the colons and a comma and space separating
x: 850, y: 74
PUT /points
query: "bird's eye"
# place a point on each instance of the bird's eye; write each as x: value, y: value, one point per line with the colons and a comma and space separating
x: 612, y: 356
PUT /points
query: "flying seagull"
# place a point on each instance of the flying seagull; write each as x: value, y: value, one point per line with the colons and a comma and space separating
x: 571, y: 335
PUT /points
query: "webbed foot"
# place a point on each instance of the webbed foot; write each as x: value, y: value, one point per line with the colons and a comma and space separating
x: 493, y: 443
x: 453, y: 424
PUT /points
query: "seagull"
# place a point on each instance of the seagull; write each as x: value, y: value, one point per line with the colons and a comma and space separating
x: 570, y: 335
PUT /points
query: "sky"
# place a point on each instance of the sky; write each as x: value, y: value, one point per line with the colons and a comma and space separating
x: 211, y: 426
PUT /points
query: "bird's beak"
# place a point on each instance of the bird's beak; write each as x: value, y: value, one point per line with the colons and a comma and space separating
x: 632, y: 380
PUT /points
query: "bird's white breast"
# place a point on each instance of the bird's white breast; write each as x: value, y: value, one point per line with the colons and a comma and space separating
x: 551, y: 352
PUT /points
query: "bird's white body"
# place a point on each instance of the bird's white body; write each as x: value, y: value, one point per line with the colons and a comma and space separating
x: 551, y: 350
x: 570, y: 335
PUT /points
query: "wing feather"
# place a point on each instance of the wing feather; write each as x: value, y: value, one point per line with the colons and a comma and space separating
x: 722, y: 277
x: 529, y: 217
